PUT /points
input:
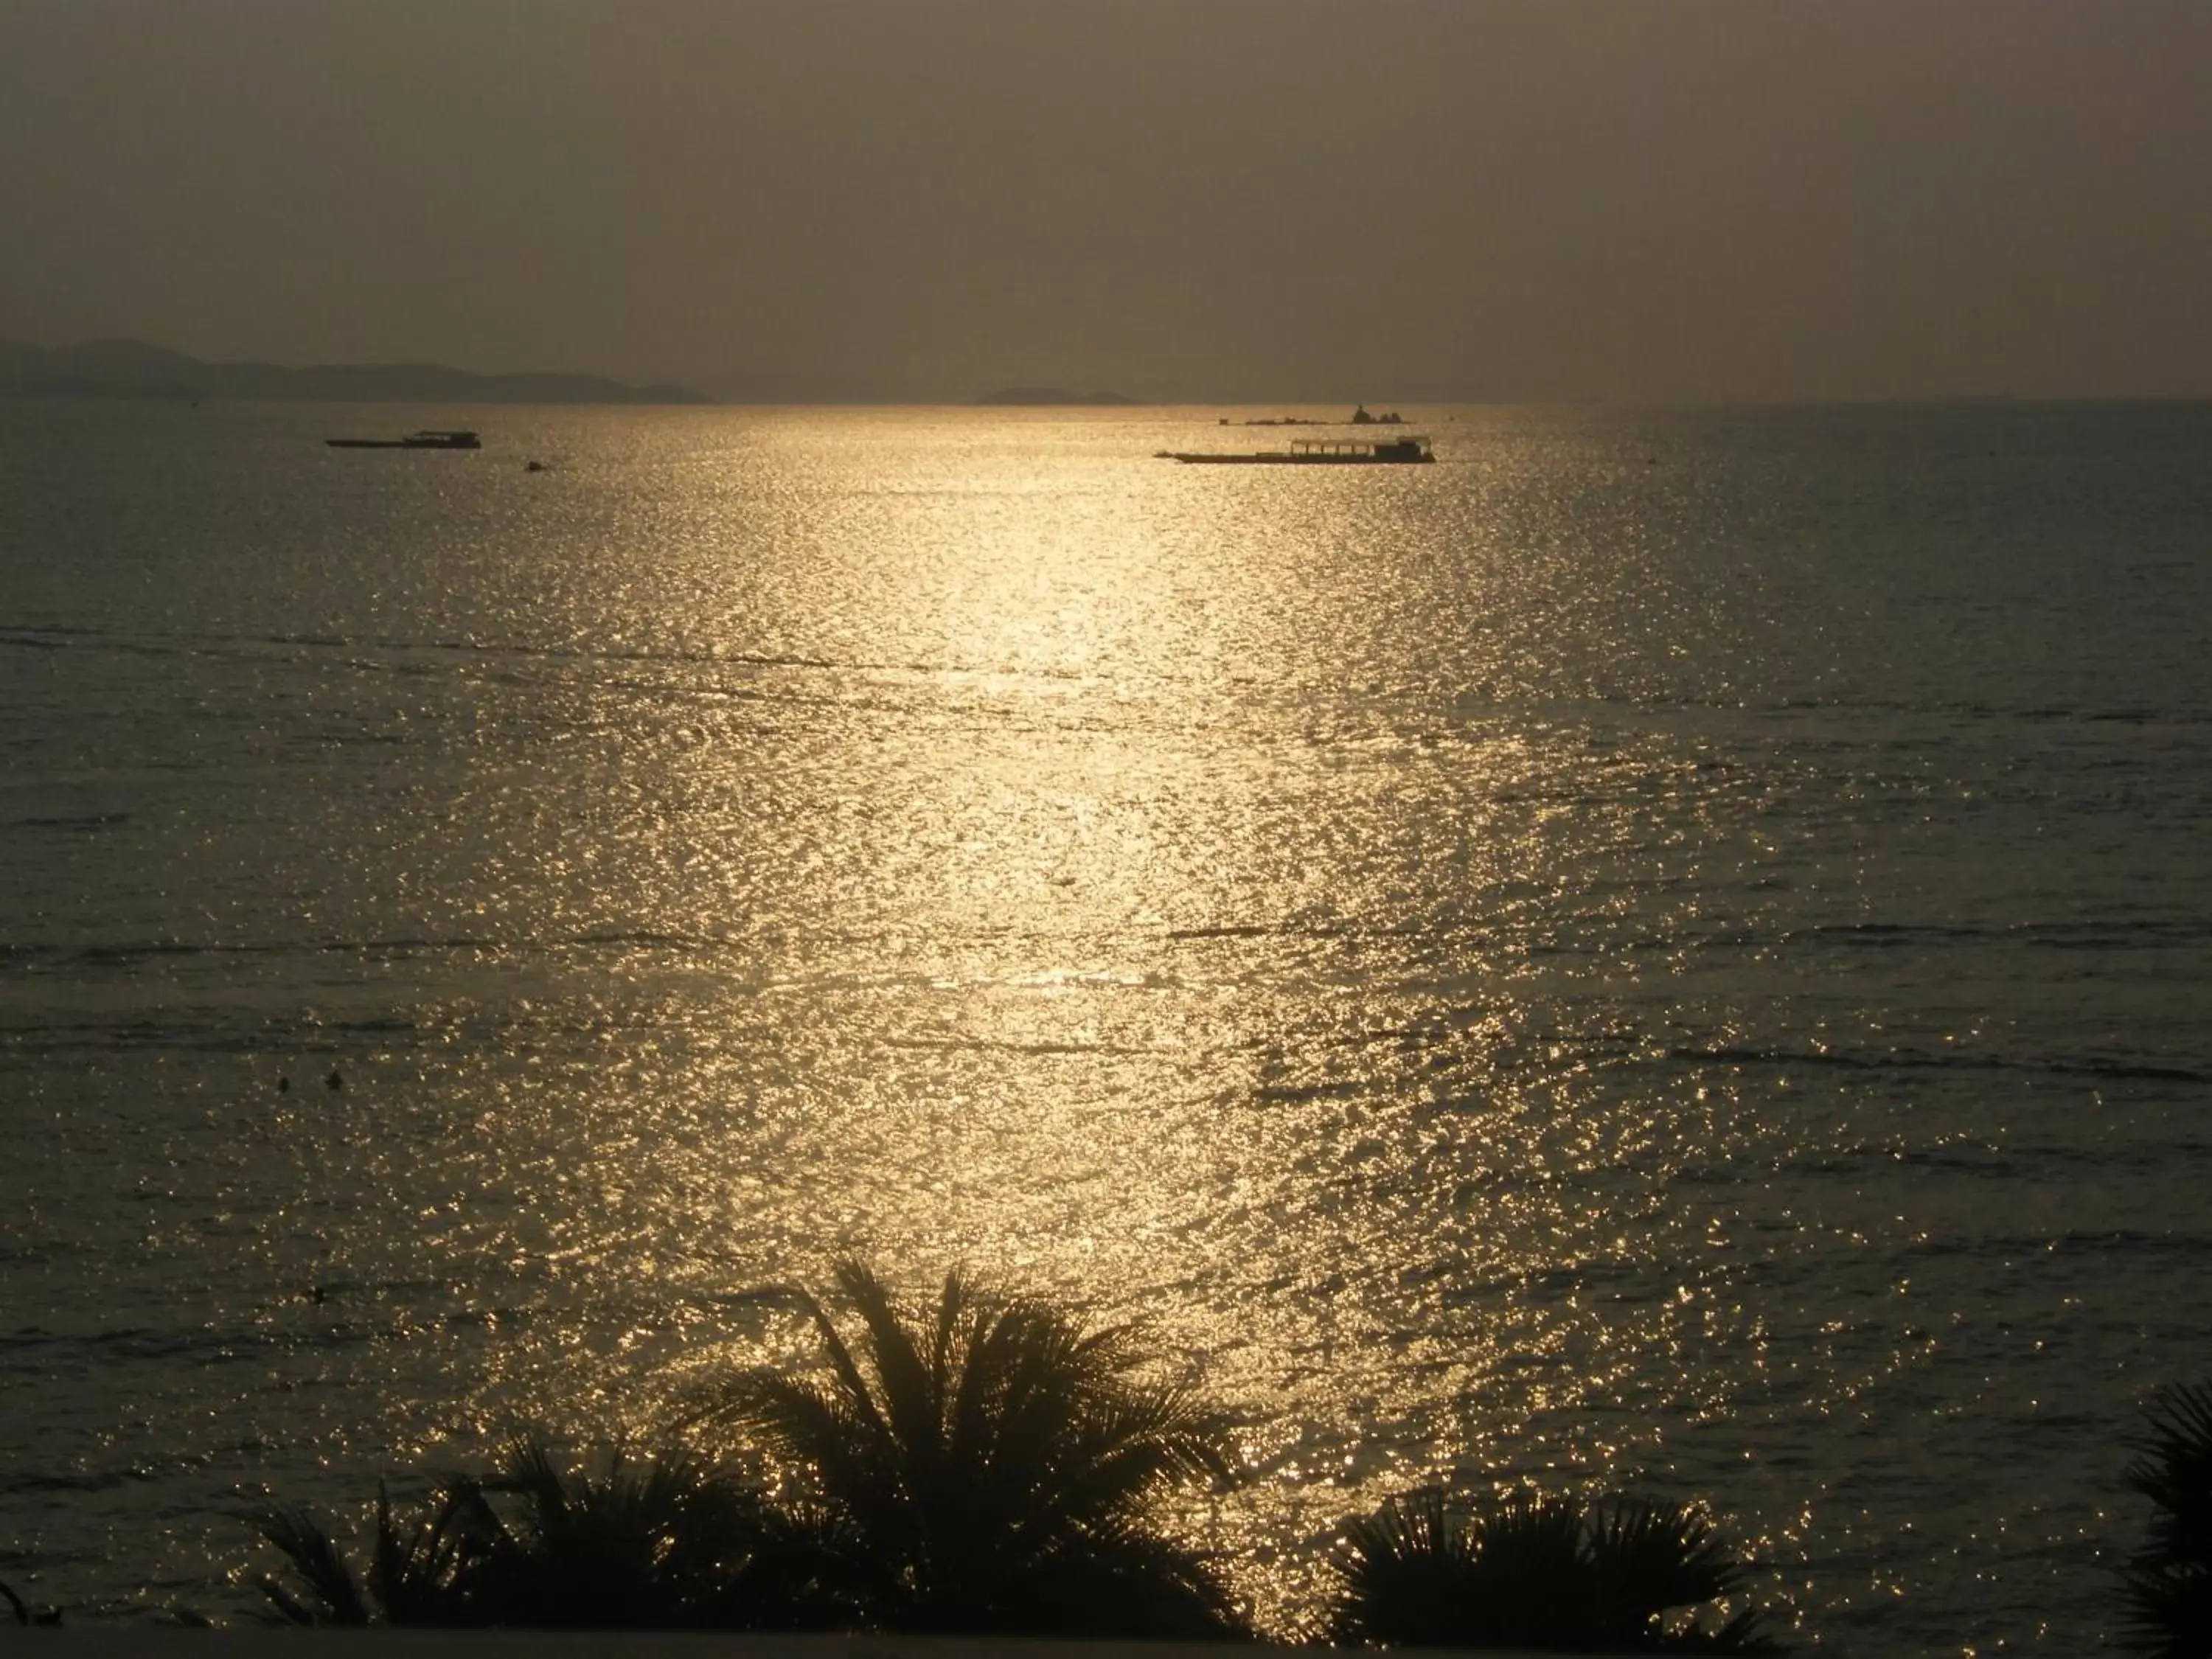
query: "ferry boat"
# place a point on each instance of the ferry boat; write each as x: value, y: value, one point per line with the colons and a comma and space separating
x: 430, y: 438
x: 1315, y: 452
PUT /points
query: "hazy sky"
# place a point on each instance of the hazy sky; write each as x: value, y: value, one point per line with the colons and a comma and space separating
x: 1507, y: 199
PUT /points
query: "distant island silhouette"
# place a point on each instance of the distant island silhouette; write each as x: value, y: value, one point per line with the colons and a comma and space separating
x: 133, y: 369
x: 1050, y: 395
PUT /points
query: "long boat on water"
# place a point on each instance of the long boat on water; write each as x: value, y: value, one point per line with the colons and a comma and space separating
x: 427, y: 439
x: 1315, y: 452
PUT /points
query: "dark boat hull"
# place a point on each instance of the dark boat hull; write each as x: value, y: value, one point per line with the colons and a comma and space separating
x: 465, y: 442
x: 1303, y: 460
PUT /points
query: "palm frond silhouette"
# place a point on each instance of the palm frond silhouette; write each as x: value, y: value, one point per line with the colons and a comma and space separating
x: 1538, y: 1572
x: 415, y: 1577
x: 667, y: 1543
x: 993, y: 1465
x: 2165, y: 1588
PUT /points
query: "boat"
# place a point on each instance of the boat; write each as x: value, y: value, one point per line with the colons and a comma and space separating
x: 1316, y: 451
x: 429, y: 438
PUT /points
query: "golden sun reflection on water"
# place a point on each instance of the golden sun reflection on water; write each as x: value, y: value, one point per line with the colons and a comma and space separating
x: 1138, y: 950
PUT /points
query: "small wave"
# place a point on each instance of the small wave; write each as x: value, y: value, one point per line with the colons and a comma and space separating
x: 33, y: 1485
x: 154, y: 950
x: 650, y: 939
x: 127, y: 953
x: 1977, y: 709
x: 1323, y: 930
x: 84, y: 823
x: 986, y: 1046
x: 2117, y: 933
x: 489, y: 1319
x: 2119, y: 1240
x: 1884, y: 933
x: 205, y: 1346
x: 1342, y: 1089
x: 2132, y: 1071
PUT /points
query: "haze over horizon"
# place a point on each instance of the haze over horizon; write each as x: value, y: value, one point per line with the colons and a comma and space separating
x: 1527, y: 200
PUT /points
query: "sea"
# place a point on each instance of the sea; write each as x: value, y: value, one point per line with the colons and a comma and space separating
x: 1667, y: 952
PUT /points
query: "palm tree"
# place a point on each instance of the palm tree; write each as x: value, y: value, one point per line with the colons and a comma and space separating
x: 412, y: 1579
x: 2167, y: 1585
x: 668, y: 1544
x: 993, y: 1465
x: 1537, y: 1572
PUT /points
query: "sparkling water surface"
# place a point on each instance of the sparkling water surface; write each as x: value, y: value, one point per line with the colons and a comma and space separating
x: 1667, y: 950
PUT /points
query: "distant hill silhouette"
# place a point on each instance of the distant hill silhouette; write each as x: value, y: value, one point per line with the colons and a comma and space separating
x: 132, y: 368
x: 1048, y: 396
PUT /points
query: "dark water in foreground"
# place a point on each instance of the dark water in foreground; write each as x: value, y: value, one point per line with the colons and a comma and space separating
x: 1666, y: 949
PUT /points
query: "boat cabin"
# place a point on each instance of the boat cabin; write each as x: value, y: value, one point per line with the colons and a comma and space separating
x: 1380, y: 449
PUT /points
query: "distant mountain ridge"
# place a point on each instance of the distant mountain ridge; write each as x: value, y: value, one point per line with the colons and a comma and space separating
x: 133, y: 369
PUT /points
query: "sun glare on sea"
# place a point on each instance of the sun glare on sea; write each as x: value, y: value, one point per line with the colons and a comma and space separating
x: 1097, y: 860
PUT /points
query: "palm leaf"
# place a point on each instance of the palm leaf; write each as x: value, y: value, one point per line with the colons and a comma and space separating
x: 333, y: 1595
x: 991, y: 1462
x: 2165, y: 1587
x: 1651, y: 1557
x: 1535, y: 1571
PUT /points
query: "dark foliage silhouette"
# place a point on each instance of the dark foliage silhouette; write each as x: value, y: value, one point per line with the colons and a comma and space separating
x: 24, y: 1614
x: 667, y: 1543
x: 993, y: 1465
x: 2167, y: 1585
x: 1538, y: 1571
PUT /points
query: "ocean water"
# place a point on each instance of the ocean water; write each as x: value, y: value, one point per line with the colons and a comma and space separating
x: 1669, y: 949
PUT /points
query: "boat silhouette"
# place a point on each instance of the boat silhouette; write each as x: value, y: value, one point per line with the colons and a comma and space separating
x: 1315, y: 452
x: 429, y: 438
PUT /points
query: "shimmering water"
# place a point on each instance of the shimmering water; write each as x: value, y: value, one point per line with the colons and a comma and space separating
x: 1666, y: 949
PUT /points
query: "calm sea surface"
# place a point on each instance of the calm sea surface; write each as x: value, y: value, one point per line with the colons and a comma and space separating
x: 1666, y: 949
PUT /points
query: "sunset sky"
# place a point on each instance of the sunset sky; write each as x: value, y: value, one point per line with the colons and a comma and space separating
x: 1488, y: 199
